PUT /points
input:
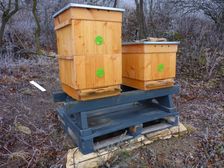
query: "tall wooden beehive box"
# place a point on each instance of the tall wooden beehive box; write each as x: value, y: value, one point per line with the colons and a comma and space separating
x: 149, y: 65
x: 89, y: 49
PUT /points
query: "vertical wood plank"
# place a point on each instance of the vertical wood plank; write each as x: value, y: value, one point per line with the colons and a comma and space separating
x: 80, y: 56
x: 146, y: 63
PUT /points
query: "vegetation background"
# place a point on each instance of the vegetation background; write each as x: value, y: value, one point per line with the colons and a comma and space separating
x: 27, y: 28
x: 30, y: 134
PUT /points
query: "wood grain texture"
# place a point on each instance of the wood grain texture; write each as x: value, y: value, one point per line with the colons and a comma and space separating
x: 145, y: 63
x: 144, y: 66
x: 81, y: 57
x: 86, y: 68
x: 64, y: 38
x: 91, y: 94
x: 62, y: 25
x: 87, y: 31
x: 148, y: 85
x: 88, y: 14
x: 78, y: 38
x: 149, y: 48
x: 66, y: 66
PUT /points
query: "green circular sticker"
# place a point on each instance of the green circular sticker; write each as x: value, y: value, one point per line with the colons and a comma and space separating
x: 160, y: 67
x: 100, y: 72
x: 99, y: 40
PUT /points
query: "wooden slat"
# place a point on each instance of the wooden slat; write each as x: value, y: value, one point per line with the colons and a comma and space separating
x: 141, y: 48
x: 64, y: 41
x: 67, y: 67
x: 90, y: 94
x: 151, y: 85
x: 62, y: 25
x: 65, y: 57
x: 88, y: 14
x: 113, y: 38
x: 147, y: 85
x: 65, y: 16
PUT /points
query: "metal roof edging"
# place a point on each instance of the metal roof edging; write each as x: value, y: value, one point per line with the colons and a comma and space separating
x: 86, y: 6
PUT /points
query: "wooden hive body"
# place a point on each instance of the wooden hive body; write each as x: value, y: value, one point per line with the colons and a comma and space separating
x: 89, y: 49
x: 149, y: 65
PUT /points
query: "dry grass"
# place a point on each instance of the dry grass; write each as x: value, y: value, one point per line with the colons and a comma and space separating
x: 200, y: 105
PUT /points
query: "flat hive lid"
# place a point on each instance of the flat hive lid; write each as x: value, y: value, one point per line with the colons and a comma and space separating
x: 151, y: 42
x: 71, y: 5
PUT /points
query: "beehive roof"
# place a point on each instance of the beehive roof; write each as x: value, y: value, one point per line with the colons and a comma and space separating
x: 70, y: 5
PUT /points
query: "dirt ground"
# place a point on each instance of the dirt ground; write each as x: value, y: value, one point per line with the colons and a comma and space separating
x: 32, y: 136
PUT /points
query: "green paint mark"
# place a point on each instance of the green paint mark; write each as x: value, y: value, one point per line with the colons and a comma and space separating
x: 99, y: 40
x: 160, y: 67
x: 100, y: 72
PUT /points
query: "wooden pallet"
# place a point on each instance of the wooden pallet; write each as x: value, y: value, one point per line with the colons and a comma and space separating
x: 76, y: 159
x: 148, y: 85
x: 91, y: 94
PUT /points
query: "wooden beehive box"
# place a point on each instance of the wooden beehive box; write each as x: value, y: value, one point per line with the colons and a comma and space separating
x: 89, y: 49
x: 149, y: 65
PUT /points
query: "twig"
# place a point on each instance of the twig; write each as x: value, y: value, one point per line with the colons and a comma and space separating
x: 7, y: 149
x: 62, y: 158
x: 3, y: 165
x: 23, y: 141
x: 34, y: 153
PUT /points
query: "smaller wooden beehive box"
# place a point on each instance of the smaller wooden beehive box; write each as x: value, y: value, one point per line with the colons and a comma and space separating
x: 149, y: 65
x: 89, y: 49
